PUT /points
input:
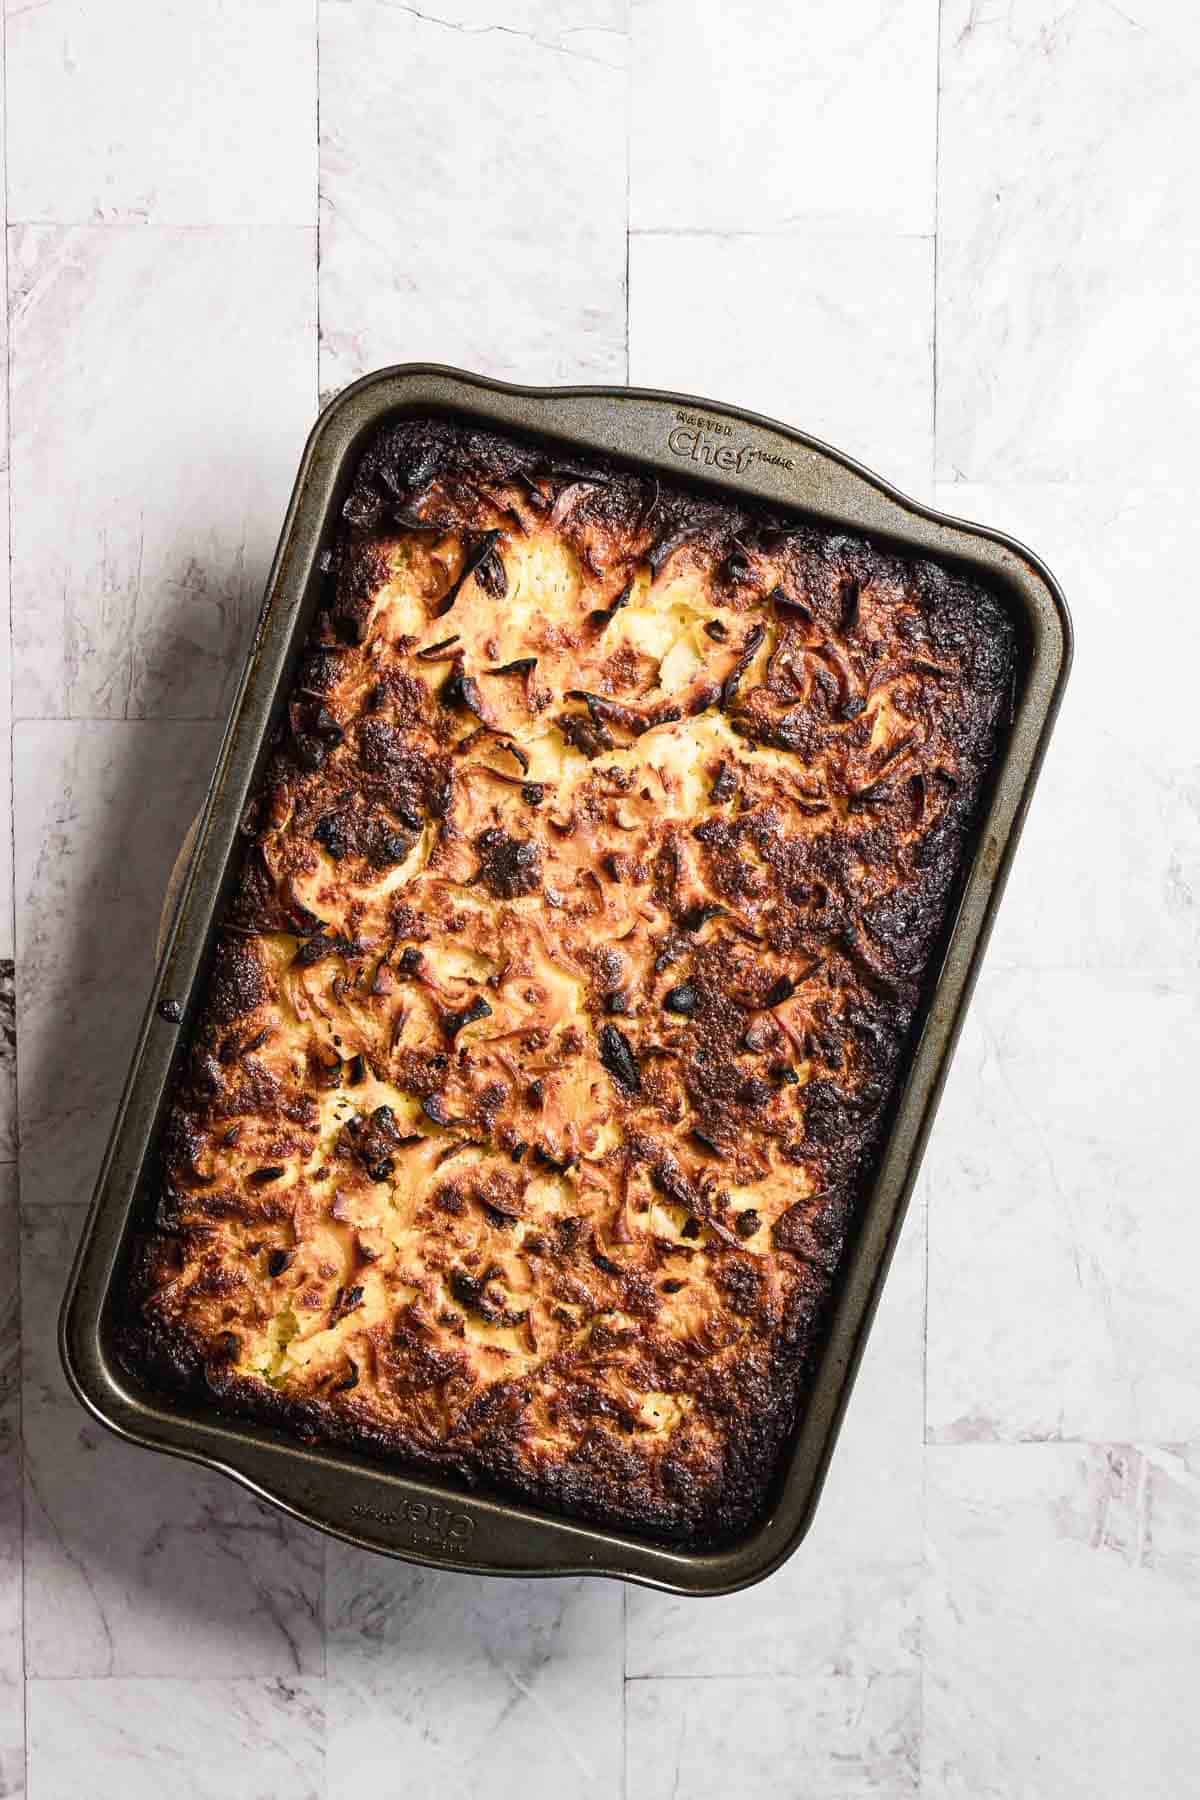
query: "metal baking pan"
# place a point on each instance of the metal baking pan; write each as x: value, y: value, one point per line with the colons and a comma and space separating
x: 435, y: 1521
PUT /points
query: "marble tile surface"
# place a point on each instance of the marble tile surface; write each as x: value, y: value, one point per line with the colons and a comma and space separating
x: 12, y: 1665
x: 136, y: 1564
x: 1062, y: 1220
x: 752, y: 115
x: 509, y: 261
x: 761, y: 1738
x: 162, y: 390
x: 849, y: 362
x: 193, y: 1740
x: 471, y: 1685
x: 101, y: 810
x: 817, y: 1669
x: 8, y: 1032
x: 4, y: 268
x: 1060, y: 1633
x: 214, y: 213
x: 182, y: 112
x: 1068, y: 241
x: 843, y: 1612
x: 1108, y: 872
x: 8, y: 1040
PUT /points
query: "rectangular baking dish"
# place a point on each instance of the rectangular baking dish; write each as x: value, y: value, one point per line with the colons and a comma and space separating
x: 436, y: 1522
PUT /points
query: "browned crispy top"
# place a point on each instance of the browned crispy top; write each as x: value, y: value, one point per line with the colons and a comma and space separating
x: 578, y: 935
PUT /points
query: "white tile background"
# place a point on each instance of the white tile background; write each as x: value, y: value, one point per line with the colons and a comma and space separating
x: 960, y: 241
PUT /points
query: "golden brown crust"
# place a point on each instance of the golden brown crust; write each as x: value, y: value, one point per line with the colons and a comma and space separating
x: 576, y: 945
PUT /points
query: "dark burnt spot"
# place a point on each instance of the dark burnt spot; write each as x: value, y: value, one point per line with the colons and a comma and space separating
x: 373, y: 1142
x: 471, y: 1293
x: 810, y: 1229
x: 324, y: 944
x: 603, y: 615
x: 508, y: 866
x: 477, y: 556
x: 750, y: 646
x: 346, y: 1300
x: 724, y: 785
x: 738, y: 566
x: 827, y: 1112
x: 454, y: 1022
x: 333, y: 834
x: 556, y: 1165
x: 902, y: 925
x: 314, y: 732
x: 443, y: 651
x: 462, y: 691
x: 591, y: 737
x: 237, y: 984
x: 616, y: 1053
x: 348, y: 1380
x: 358, y: 830
x: 697, y: 917
x: 511, y: 748
x: 386, y: 848
x: 490, y: 573
x: 569, y: 1230
x: 742, y: 1282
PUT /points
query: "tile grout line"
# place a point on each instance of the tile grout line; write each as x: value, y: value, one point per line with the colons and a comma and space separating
x: 923, y: 1506
x: 797, y: 227
x: 628, y: 166
x: 937, y: 223
x: 624, y: 1775
x: 248, y: 226
x: 247, y: 1677
x: 10, y: 899
x: 116, y: 718
x: 317, y: 236
x: 316, y: 26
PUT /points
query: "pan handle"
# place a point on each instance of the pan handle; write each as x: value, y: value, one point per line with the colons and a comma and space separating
x: 421, y: 1523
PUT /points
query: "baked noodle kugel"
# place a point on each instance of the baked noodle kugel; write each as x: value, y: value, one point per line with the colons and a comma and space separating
x: 580, y: 928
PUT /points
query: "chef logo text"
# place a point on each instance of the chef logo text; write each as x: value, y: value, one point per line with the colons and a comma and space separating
x: 692, y: 437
